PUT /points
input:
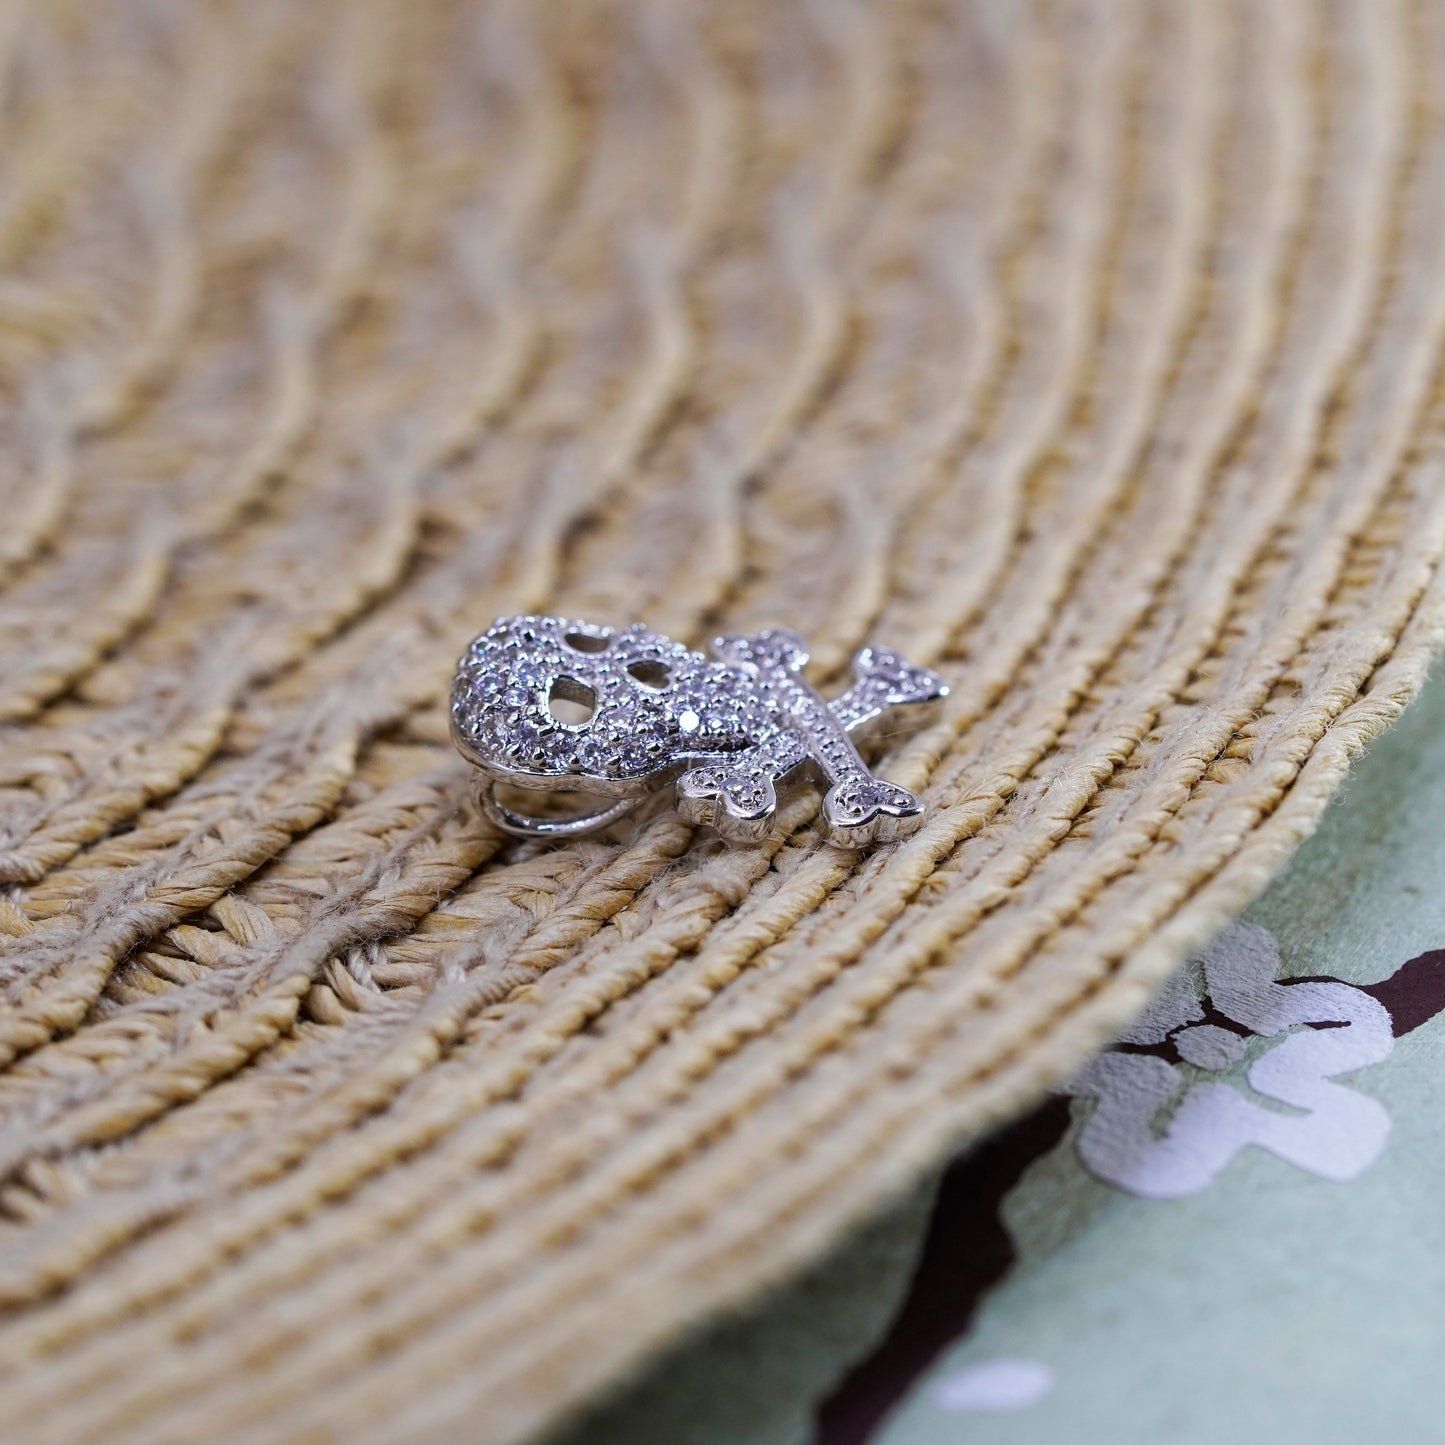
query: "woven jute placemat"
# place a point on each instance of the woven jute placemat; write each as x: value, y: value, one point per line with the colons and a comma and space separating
x: 1089, y: 353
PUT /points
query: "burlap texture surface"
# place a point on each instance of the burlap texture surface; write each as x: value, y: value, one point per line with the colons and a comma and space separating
x: 1089, y: 353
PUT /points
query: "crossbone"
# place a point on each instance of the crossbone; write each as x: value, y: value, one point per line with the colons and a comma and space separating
x: 549, y: 704
x: 738, y: 796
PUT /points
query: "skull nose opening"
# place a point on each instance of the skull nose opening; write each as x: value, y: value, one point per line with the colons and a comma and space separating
x: 571, y: 702
x: 651, y: 674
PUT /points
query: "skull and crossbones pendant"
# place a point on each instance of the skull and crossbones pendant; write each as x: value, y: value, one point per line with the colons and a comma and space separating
x: 546, y: 704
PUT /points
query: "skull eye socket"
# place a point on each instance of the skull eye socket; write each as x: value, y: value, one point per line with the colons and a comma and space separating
x: 651, y: 673
x: 571, y: 702
x: 586, y: 642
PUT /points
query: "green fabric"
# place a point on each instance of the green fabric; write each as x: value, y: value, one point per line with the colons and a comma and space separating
x: 1274, y: 1305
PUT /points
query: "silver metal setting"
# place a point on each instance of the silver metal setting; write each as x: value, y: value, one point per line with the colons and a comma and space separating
x: 611, y: 716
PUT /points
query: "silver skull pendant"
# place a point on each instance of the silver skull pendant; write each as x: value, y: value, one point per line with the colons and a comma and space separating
x: 553, y: 705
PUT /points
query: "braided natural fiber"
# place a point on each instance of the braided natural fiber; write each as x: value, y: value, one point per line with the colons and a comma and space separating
x: 1091, y: 353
